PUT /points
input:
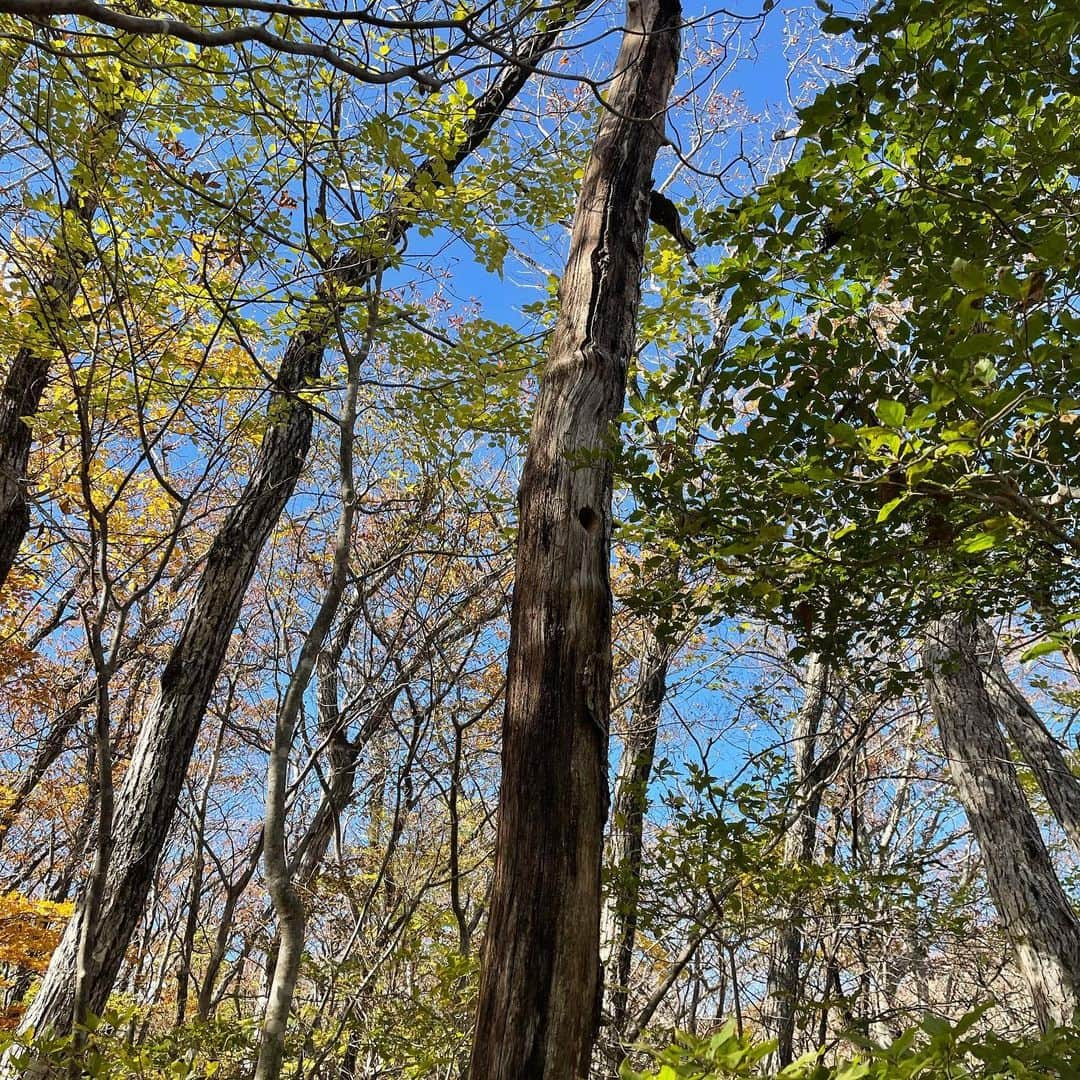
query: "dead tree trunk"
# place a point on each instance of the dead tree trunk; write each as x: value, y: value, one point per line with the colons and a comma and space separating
x: 540, y: 989
x: 782, y: 994
x: 1040, y: 921
x: 152, y: 784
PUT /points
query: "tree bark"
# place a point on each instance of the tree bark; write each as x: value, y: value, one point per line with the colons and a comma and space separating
x: 540, y: 988
x: 51, y: 748
x: 208, y: 996
x: 151, y: 787
x: 782, y: 992
x: 1039, y: 920
x: 198, y: 859
x: 288, y: 905
x: 1036, y: 745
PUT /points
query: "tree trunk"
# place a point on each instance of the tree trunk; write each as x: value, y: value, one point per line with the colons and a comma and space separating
x: 288, y: 905
x: 540, y: 989
x: 1036, y: 745
x: 208, y: 996
x: 1040, y: 921
x: 198, y: 859
x: 782, y: 993
x: 625, y: 835
x: 152, y: 783
x: 51, y: 748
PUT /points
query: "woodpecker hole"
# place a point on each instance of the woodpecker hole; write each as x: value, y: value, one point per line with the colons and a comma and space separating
x: 589, y: 521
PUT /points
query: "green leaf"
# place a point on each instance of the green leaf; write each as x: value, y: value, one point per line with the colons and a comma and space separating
x: 1042, y: 648
x: 977, y: 345
x: 891, y: 413
x: 889, y: 507
x: 968, y: 275
x: 976, y: 542
x: 935, y: 1025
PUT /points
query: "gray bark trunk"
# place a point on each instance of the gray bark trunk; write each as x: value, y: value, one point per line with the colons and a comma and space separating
x: 288, y: 906
x: 1036, y: 745
x: 1038, y: 917
x: 624, y: 853
x: 198, y: 856
x: 151, y: 787
x: 540, y: 988
x: 782, y: 993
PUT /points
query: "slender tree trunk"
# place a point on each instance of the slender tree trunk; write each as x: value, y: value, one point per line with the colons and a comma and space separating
x: 620, y: 917
x: 151, y: 787
x: 1038, y: 917
x: 191, y: 919
x: 85, y: 950
x: 47, y: 753
x: 1036, y: 745
x: 831, y: 944
x: 148, y: 796
x: 782, y: 993
x: 540, y: 988
x: 206, y: 1000
x: 288, y: 905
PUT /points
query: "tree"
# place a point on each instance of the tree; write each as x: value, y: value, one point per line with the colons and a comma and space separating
x: 809, y: 776
x: 1037, y: 746
x: 50, y: 319
x: 824, y: 413
x: 1040, y: 920
x: 540, y: 990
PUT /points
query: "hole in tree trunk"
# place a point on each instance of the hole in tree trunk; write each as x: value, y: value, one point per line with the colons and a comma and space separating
x: 589, y: 521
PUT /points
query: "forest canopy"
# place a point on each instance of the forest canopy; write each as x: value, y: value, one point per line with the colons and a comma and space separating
x: 540, y: 542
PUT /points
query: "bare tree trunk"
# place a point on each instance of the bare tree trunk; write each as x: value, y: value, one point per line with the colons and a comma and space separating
x: 1036, y: 745
x: 152, y: 784
x: 51, y: 748
x: 207, y: 998
x: 540, y: 988
x: 620, y: 917
x: 1038, y: 917
x: 782, y: 993
x: 85, y: 949
x: 288, y: 905
x: 830, y: 945
x: 198, y: 856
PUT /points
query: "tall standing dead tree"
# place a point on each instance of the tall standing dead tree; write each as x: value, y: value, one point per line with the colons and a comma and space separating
x: 540, y: 990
